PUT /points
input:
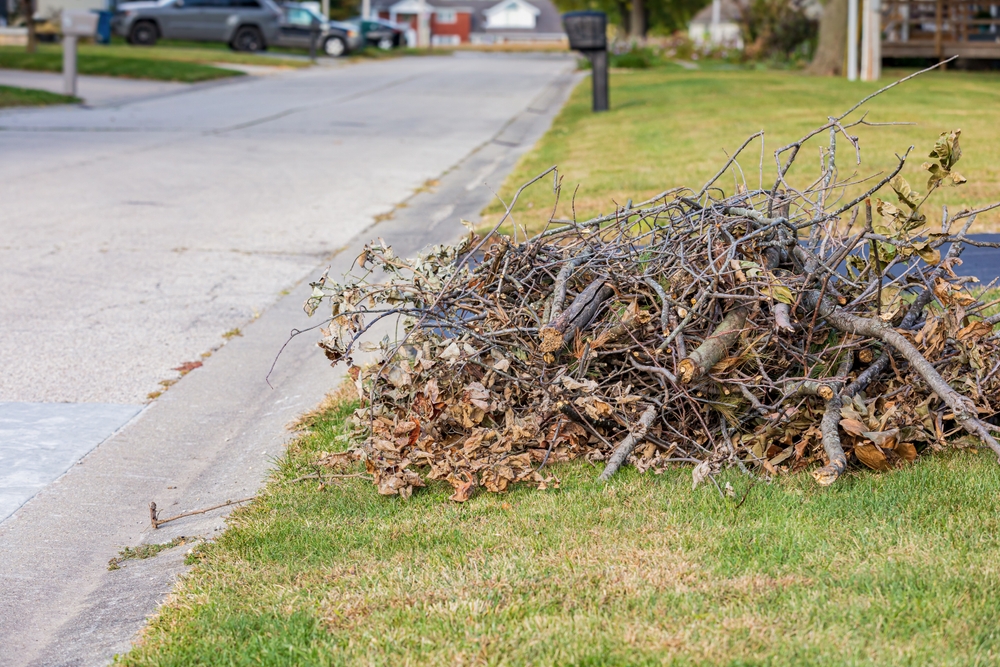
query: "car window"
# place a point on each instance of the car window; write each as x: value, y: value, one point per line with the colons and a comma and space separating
x: 299, y: 16
x: 244, y: 4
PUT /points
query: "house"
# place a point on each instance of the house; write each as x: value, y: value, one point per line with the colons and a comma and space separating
x: 455, y: 22
x: 718, y: 24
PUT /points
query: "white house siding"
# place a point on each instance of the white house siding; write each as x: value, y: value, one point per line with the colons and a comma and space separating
x: 722, y: 34
x: 511, y: 14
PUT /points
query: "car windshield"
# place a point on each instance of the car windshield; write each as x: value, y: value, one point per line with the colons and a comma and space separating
x: 302, y: 16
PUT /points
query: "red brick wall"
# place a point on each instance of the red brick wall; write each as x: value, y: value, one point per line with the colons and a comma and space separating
x: 461, y: 27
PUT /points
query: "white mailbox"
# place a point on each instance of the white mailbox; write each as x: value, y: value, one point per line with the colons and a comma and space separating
x: 77, y: 23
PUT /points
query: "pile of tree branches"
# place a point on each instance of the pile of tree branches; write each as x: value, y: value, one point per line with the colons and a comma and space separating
x: 775, y: 329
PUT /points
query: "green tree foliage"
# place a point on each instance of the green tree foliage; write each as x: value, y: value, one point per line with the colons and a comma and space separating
x: 341, y: 10
x: 662, y: 16
x: 778, y: 29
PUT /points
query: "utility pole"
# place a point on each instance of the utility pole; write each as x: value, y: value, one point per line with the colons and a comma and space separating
x: 852, y: 40
x: 871, y: 41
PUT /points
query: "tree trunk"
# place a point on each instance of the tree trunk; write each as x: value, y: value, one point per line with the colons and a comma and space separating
x: 29, y: 16
x: 625, y: 16
x: 832, y: 47
x: 637, y: 23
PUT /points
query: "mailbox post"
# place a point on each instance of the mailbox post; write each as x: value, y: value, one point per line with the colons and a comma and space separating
x: 313, y: 39
x: 75, y: 24
x: 588, y: 34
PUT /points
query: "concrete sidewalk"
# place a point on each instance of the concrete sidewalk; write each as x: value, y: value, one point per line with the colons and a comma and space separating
x: 96, y: 91
x: 213, y: 436
x: 40, y: 441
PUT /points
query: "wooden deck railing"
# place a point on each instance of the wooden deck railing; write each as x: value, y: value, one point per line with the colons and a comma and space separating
x: 940, y: 29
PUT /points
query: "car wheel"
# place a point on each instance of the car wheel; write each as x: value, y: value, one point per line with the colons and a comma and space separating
x: 334, y: 47
x: 143, y: 33
x: 385, y: 43
x: 248, y: 39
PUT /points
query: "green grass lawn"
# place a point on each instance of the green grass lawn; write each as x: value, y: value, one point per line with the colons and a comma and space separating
x: 669, y: 127
x: 199, y: 52
x: 184, y: 63
x: 890, y: 569
x: 49, y: 59
x: 26, y: 97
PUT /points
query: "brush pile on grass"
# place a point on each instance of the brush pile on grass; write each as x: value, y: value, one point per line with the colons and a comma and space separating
x: 776, y: 330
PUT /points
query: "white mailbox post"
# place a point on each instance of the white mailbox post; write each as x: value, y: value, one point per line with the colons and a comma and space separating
x: 75, y: 24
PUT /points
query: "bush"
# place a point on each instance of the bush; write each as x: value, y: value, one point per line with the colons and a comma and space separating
x: 635, y: 58
x: 629, y: 56
x: 779, y: 30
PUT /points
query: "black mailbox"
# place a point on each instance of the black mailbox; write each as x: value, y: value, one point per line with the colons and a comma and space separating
x: 588, y: 33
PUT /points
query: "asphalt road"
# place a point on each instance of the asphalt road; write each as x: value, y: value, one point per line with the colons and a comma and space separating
x: 134, y: 237
x: 984, y: 263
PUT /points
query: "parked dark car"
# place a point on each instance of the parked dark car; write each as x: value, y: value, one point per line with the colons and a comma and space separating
x: 333, y: 37
x: 381, y: 33
x: 246, y: 25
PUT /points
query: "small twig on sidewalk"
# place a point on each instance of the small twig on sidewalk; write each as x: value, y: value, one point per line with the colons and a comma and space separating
x: 159, y: 522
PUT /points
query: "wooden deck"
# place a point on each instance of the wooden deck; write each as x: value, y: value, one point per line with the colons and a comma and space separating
x: 940, y: 29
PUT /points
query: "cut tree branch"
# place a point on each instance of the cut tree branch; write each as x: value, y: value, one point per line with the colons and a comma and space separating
x: 962, y: 407
x: 715, y: 347
x: 625, y: 447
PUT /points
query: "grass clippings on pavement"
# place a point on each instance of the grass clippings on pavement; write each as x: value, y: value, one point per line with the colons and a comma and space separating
x: 668, y: 127
x: 144, y: 551
x: 881, y: 569
x: 11, y: 96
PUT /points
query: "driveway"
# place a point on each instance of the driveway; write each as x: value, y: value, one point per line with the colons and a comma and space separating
x: 137, y: 237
